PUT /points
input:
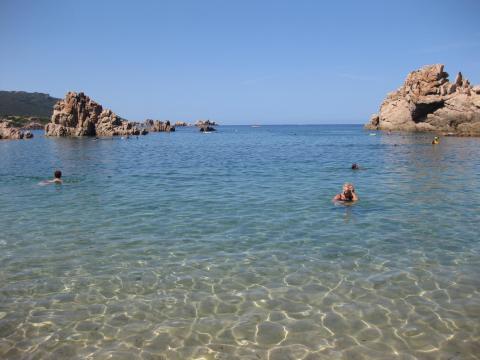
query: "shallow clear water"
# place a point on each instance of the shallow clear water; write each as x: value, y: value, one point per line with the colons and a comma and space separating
x: 227, y: 246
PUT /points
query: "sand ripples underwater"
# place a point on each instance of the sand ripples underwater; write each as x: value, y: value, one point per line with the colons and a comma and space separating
x: 226, y: 246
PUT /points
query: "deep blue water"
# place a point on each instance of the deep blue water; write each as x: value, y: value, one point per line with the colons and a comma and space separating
x: 227, y: 245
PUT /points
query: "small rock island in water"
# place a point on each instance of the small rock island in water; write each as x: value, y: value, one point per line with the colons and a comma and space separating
x: 206, y: 125
x: 427, y: 101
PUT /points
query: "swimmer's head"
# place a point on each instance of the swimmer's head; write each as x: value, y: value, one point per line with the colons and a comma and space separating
x: 354, y: 166
x: 348, y: 187
x: 57, y: 174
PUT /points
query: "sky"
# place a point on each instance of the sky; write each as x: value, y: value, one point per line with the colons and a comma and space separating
x: 235, y: 62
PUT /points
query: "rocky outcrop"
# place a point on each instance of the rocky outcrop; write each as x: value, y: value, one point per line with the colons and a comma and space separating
x: 181, y: 123
x: 428, y: 101
x: 8, y: 131
x: 202, y: 123
x: 206, y: 125
x: 158, y: 126
x: 33, y: 125
x: 78, y: 115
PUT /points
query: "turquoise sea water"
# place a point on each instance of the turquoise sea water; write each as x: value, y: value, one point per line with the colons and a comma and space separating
x: 227, y: 246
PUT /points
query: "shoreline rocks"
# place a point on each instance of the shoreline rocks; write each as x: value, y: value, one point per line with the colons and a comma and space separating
x: 33, y: 126
x: 25, y: 122
x: 427, y: 101
x: 78, y: 115
x: 10, y: 132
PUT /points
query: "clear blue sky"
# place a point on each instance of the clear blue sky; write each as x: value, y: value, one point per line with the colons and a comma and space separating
x: 237, y: 62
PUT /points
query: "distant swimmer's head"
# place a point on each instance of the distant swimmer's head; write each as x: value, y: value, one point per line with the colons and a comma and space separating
x: 355, y: 166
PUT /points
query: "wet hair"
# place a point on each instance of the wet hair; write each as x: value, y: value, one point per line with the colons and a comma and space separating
x: 57, y: 174
x: 354, y: 166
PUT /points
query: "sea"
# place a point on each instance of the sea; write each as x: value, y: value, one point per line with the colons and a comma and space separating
x: 227, y: 245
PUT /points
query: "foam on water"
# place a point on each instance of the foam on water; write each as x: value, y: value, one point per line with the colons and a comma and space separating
x: 183, y: 246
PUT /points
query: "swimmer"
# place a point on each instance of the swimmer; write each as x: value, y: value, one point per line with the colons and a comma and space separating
x: 57, y: 178
x: 348, y: 194
x: 355, y: 166
x: 436, y: 140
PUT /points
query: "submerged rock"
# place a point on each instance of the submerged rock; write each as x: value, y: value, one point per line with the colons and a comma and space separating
x: 78, y: 115
x: 427, y: 101
x: 9, y: 132
x: 158, y: 126
x: 207, y: 128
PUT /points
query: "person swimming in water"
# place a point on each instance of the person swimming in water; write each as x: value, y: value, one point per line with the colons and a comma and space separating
x: 57, y: 177
x: 436, y: 140
x: 348, y: 194
x: 355, y: 166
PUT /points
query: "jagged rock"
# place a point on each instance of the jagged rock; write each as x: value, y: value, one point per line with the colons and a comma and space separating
x: 158, y: 126
x: 181, y: 123
x: 8, y: 131
x: 427, y: 101
x: 78, y: 115
x: 201, y: 123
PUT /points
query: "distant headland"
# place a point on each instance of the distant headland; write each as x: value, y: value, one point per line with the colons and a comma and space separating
x: 427, y: 101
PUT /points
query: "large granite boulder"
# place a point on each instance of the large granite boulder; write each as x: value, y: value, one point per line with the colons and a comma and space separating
x: 158, y: 126
x: 428, y: 101
x: 78, y: 115
x: 9, y: 131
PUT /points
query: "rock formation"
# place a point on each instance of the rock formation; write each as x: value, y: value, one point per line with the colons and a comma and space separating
x: 78, y: 115
x: 427, y: 101
x: 181, y: 123
x: 33, y: 124
x: 158, y: 126
x: 8, y: 131
x: 206, y: 125
x: 201, y: 123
